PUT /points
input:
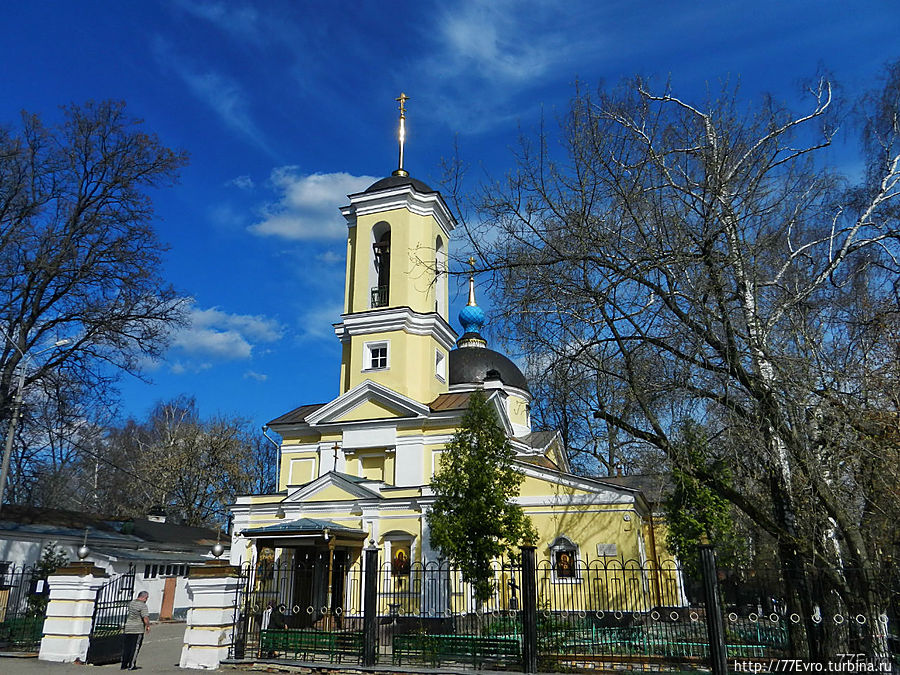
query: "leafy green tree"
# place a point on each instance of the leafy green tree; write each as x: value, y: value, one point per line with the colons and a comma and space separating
x: 473, y: 520
x: 52, y: 558
x: 693, y: 510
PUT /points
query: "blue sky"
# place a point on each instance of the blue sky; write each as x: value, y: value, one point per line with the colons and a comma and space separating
x: 287, y: 106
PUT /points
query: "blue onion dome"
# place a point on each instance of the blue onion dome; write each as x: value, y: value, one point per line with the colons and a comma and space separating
x: 472, y: 362
x: 472, y: 318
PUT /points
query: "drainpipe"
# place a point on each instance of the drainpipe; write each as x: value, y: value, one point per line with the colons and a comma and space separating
x: 655, y: 555
x: 265, y: 430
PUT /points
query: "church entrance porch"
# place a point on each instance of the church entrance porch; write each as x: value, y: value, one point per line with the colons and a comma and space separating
x: 303, y: 589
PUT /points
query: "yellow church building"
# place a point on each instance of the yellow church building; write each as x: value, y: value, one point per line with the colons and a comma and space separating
x: 356, y: 471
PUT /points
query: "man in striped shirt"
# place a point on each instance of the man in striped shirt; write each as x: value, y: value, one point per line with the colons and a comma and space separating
x: 137, y: 623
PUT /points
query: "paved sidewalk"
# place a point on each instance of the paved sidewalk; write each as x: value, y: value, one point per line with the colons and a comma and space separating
x: 160, y: 654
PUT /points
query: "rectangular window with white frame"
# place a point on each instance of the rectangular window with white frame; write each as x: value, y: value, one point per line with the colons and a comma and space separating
x: 377, y: 355
x: 440, y: 365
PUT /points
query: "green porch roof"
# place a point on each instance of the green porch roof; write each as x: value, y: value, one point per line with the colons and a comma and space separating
x: 301, y: 526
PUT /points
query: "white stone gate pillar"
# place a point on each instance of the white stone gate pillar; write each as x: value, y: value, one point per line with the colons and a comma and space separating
x: 67, y: 628
x: 212, y: 593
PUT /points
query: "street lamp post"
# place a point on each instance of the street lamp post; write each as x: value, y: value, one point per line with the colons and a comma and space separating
x: 14, y: 420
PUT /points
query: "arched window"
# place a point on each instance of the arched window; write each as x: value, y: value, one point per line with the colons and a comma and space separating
x: 380, y: 271
x: 440, y: 277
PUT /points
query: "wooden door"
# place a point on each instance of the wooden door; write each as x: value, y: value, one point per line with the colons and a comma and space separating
x: 168, y: 601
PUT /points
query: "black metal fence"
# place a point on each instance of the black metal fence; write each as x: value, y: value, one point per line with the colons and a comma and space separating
x: 586, y: 615
x: 306, y: 610
x: 24, y: 594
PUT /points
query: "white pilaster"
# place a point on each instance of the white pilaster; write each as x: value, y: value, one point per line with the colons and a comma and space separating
x: 212, y: 590
x: 67, y: 628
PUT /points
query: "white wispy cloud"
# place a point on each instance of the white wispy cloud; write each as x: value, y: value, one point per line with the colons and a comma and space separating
x: 307, y: 204
x: 486, y: 39
x: 330, y: 257
x: 316, y: 324
x: 487, y: 55
x: 253, y: 375
x: 194, y: 367
x: 212, y: 334
x: 260, y: 25
x: 221, y: 93
x: 242, y: 182
x: 240, y: 21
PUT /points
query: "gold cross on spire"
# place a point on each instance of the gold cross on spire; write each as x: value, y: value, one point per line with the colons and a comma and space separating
x: 403, y: 98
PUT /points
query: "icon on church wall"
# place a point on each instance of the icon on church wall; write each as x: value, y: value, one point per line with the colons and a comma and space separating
x: 265, y: 563
x: 400, y: 560
x: 565, y: 565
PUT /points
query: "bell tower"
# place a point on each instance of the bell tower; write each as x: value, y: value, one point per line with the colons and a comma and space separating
x: 395, y: 329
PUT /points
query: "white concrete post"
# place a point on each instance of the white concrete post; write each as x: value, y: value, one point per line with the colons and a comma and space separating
x: 212, y: 593
x: 67, y: 628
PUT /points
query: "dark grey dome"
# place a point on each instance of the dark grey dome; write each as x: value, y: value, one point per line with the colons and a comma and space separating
x: 477, y: 364
x: 398, y: 181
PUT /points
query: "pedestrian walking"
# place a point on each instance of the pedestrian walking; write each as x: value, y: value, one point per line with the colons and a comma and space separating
x: 137, y: 623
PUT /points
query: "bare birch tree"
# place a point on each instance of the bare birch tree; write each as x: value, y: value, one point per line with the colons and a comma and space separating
x: 705, y: 262
x: 191, y: 466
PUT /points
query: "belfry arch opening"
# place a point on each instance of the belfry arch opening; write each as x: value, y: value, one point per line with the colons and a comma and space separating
x: 380, y: 269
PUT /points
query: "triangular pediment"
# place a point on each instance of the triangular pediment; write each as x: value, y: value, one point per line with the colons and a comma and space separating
x: 372, y: 410
x: 368, y: 401
x: 332, y: 486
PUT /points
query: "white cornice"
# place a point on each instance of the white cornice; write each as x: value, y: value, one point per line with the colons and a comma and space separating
x: 463, y: 387
x: 396, y: 319
x: 401, y: 197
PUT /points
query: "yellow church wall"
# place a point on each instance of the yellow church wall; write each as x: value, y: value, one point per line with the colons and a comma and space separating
x: 289, y: 439
x: 373, y: 466
x: 331, y: 493
x: 535, y: 487
x: 410, y: 365
x: 586, y: 526
x: 358, y: 283
x: 664, y: 579
x: 300, y: 470
x: 351, y: 465
x: 346, y: 353
x: 616, y: 582
x: 432, y: 461
x: 264, y: 499
x: 286, y: 468
x: 349, y: 287
x: 517, y: 408
x: 412, y: 260
x: 401, y: 492
x: 369, y: 410
x: 389, y: 464
x: 401, y: 520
